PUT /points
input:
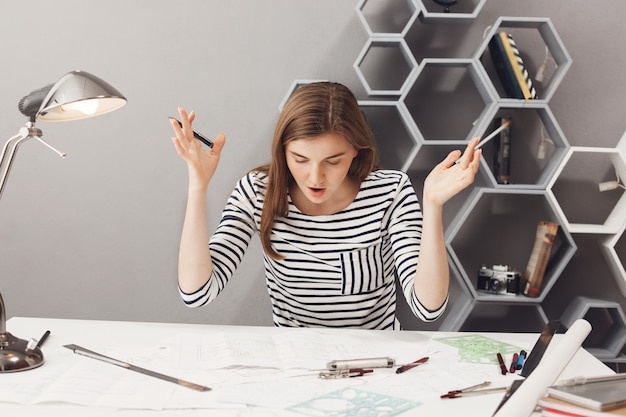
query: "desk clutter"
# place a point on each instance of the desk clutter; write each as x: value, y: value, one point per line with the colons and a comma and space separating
x: 284, y: 372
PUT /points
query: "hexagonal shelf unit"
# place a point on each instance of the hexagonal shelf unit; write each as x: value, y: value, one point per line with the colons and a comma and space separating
x: 387, y: 18
x: 576, y: 183
x: 608, y: 334
x: 537, y: 147
x: 455, y: 88
x: 392, y: 134
x: 498, y: 227
x: 385, y: 66
x: 462, y: 12
x: 295, y: 84
x: 539, y: 44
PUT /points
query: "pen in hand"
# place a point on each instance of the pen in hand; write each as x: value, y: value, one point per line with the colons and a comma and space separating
x: 411, y: 365
x: 196, y: 135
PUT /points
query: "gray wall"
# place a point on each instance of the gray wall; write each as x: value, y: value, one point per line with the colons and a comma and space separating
x: 95, y: 236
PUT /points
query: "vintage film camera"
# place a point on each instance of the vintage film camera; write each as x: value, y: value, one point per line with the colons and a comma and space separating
x: 499, y: 279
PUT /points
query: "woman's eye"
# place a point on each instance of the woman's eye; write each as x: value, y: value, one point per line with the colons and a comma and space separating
x: 332, y: 162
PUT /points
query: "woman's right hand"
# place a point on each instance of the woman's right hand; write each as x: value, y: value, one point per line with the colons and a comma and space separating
x: 201, y: 163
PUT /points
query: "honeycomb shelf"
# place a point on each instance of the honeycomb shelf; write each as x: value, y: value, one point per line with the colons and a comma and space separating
x: 489, y: 223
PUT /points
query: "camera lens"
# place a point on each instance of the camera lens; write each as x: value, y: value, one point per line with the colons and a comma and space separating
x: 495, y: 285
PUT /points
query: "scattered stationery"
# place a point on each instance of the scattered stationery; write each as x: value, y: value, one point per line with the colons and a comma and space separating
x: 383, y: 362
x: 43, y: 338
x: 411, y: 365
x: 514, y: 363
x: 473, y: 390
x: 344, y: 373
x: 503, y: 369
x: 94, y: 355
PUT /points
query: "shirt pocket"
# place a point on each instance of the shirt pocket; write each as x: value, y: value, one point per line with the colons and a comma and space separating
x: 362, y: 270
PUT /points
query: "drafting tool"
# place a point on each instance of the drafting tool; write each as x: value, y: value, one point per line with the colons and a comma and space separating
x: 411, y: 365
x: 344, y: 373
x: 383, y: 362
x: 94, y: 355
x: 473, y: 390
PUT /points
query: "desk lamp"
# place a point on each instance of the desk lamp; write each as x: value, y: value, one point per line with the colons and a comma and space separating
x: 77, y: 95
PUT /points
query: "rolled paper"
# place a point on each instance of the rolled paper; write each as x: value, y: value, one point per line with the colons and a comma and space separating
x: 524, y: 400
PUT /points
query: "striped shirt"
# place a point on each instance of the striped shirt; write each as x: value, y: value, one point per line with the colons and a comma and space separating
x: 339, y: 270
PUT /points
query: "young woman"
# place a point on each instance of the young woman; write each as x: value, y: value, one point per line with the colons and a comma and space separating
x: 335, y: 229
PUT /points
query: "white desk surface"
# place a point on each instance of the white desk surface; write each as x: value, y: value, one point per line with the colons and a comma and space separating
x: 107, y: 336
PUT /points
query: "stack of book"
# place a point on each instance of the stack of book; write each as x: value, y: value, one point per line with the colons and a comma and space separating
x: 596, y: 397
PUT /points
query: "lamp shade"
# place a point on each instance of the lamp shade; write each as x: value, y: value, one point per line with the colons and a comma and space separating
x: 78, y: 95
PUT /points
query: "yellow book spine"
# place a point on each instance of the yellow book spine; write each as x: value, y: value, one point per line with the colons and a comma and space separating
x: 515, y: 64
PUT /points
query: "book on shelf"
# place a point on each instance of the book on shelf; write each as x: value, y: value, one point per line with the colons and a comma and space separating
x: 539, y: 256
x: 502, y: 154
x: 510, y: 67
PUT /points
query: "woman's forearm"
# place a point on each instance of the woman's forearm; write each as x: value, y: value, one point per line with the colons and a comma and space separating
x: 432, y: 277
x: 194, y: 258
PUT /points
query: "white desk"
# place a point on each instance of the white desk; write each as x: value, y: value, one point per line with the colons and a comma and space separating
x: 422, y: 385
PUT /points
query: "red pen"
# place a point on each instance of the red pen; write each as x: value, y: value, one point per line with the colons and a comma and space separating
x: 502, y: 365
x: 513, y: 363
x: 411, y: 365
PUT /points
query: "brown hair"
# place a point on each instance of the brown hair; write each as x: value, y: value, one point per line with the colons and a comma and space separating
x: 312, y: 110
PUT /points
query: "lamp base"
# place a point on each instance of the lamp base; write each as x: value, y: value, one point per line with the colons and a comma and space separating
x: 15, y: 355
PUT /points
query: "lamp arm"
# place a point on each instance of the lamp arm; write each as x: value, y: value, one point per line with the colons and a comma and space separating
x: 8, y: 154
x: 10, y: 149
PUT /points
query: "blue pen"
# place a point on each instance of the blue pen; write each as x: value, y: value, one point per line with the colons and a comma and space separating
x: 520, y: 360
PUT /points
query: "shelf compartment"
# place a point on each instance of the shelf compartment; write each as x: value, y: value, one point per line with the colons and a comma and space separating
x: 608, y: 323
x: 538, y: 41
x: 394, y: 138
x: 532, y: 124
x: 464, y: 12
x: 451, y: 87
x: 385, y: 66
x: 576, y: 182
x: 389, y: 18
x: 513, y: 318
x: 498, y: 227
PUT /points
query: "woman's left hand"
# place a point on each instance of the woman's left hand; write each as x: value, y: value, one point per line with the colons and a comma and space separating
x: 450, y: 177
